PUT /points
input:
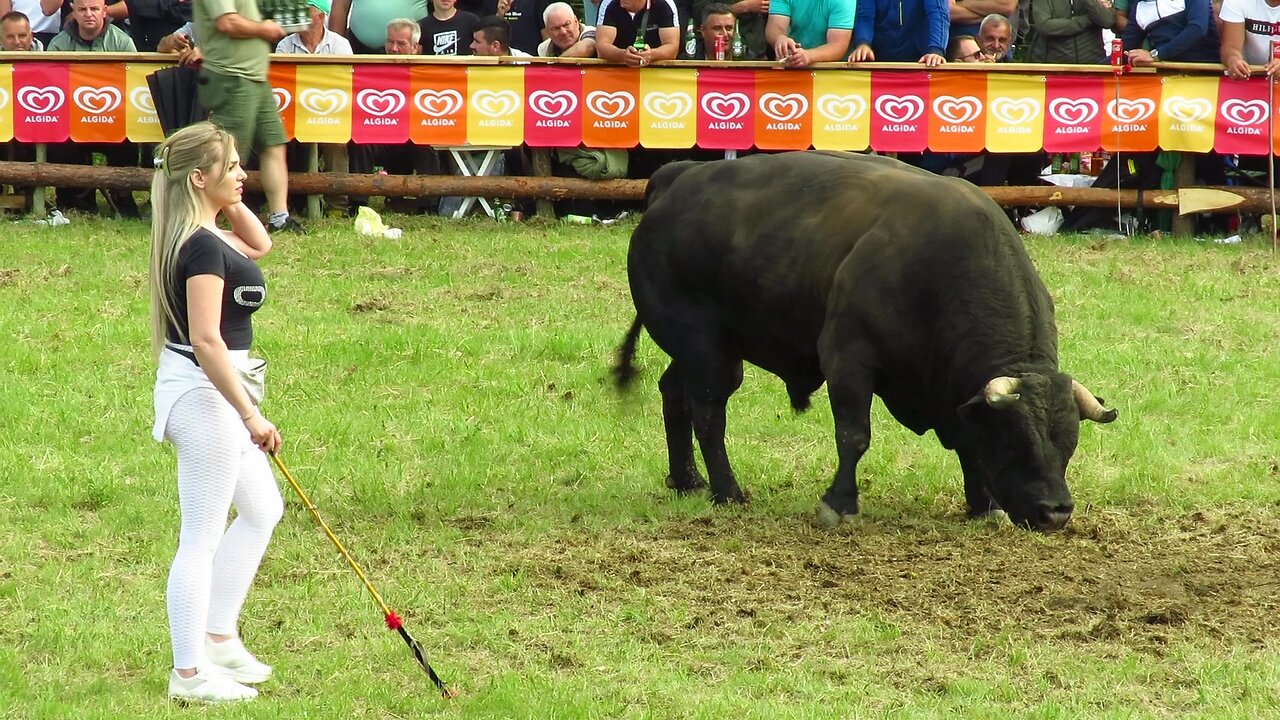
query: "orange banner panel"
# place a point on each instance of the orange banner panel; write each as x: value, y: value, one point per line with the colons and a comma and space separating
x: 1130, y: 123
x: 610, y: 113
x: 784, y: 116
x: 438, y: 107
x: 97, y: 102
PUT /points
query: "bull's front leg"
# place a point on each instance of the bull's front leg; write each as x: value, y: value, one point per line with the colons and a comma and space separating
x: 976, y: 496
x: 683, y: 476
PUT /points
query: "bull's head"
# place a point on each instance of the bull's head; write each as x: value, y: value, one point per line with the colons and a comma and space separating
x: 1024, y: 432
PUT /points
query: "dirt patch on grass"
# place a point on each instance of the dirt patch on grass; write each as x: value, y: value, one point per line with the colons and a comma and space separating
x: 1110, y: 577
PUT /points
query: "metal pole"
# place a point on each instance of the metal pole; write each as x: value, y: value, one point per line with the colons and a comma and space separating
x: 313, y: 165
x: 37, y: 193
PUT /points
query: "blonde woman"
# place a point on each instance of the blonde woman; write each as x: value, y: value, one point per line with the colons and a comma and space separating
x: 205, y: 287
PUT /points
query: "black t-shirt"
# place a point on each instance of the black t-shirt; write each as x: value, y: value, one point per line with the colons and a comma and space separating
x: 525, y: 19
x: 243, y: 292
x: 627, y: 25
x: 448, y: 37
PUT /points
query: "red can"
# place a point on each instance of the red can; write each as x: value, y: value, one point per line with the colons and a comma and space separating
x: 720, y: 47
x: 1117, y: 56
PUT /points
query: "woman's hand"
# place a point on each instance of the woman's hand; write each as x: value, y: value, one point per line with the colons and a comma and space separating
x: 263, y: 433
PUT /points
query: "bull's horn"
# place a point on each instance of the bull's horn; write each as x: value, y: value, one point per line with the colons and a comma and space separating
x: 1002, y: 392
x: 1090, y: 408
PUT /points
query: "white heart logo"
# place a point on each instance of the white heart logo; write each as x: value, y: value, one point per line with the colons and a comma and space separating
x: 141, y: 100
x: 41, y: 100
x: 1187, y: 110
x: 841, y: 108
x: 283, y: 98
x: 1131, y: 111
x: 610, y: 105
x: 726, y: 106
x: 552, y: 105
x: 323, y: 102
x: 495, y: 104
x: 957, y: 110
x: 900, y: 109
x: 4, y: 98
x: 1015, y: 112
x: 1073, y: 111
x: 668, y: 106
x: 1245, y: 112
x: 96, y: 100
x: 784, y: 107
x: 438, y: 103
x: 380, y: 102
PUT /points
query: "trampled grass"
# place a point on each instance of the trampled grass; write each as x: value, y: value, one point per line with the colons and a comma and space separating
x: 444, y: 400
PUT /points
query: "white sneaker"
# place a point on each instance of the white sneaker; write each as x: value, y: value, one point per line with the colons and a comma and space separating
x: 208, y: 687
x: 233, y: 660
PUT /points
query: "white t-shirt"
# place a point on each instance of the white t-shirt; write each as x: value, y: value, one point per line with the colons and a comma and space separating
x: 40, y: 23
x: 1261, y: 26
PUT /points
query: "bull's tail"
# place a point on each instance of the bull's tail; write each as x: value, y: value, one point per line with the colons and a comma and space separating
x: 623, y: 371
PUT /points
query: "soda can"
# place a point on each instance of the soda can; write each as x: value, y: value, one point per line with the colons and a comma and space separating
x: 720, y: 48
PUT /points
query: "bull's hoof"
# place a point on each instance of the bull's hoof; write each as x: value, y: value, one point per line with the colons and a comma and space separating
x: 829, y: 518
x: 687, y: 484
x: 734, y: 497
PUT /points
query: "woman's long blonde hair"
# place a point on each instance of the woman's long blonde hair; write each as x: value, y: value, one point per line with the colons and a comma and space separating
x: 175, y: 210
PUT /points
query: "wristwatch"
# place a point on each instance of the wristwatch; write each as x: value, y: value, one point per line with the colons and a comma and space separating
x: 1155, y: 54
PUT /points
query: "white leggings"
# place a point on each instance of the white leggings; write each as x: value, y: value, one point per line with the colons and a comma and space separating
x: 218, y: 466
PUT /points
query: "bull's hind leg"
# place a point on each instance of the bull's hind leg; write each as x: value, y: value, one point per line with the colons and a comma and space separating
x: 849, y: 387
x: 683, y: 476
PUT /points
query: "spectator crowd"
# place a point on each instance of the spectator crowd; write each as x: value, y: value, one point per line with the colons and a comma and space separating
x: 635, y: 33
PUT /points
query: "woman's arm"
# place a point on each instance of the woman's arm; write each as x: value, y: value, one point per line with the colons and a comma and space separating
x: 204, y: 318
x: 247, y: 233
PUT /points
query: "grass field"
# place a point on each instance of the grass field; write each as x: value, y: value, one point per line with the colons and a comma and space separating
x: 444, y: 400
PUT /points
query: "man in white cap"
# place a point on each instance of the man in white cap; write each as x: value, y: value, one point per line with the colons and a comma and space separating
x: 315, y: 38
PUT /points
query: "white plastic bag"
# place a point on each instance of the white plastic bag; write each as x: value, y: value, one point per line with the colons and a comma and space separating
x: 1045, y: 221
x: 369, y: 222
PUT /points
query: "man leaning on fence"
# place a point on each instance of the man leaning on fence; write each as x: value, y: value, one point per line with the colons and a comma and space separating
x: 637, y: 33
x: 804, y: 32
x: 89, y: 30
x: 236, y: 43
x: 566, y: 35
x: 901, y: 31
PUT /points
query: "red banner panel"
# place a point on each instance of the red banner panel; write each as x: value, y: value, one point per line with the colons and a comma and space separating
x: 1243, y: 114
x: 553, y: 117
x: 40, y: 113
x: 380, y: 111
x: 1073, y: 114
x: 899, y: 102
x: 724, y: 109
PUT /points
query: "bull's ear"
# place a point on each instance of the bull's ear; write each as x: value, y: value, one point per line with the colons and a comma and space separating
x: 974, y: 404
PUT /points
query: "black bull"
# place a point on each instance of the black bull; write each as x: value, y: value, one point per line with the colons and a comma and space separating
x: 874, y: 277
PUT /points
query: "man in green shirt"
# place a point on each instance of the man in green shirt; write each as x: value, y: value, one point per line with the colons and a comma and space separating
x: 89, y: 30
x: 233, y: 87
x: 364, y: 22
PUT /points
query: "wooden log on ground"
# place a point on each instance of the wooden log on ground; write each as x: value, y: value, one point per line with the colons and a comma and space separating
x: 1202, y: 199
